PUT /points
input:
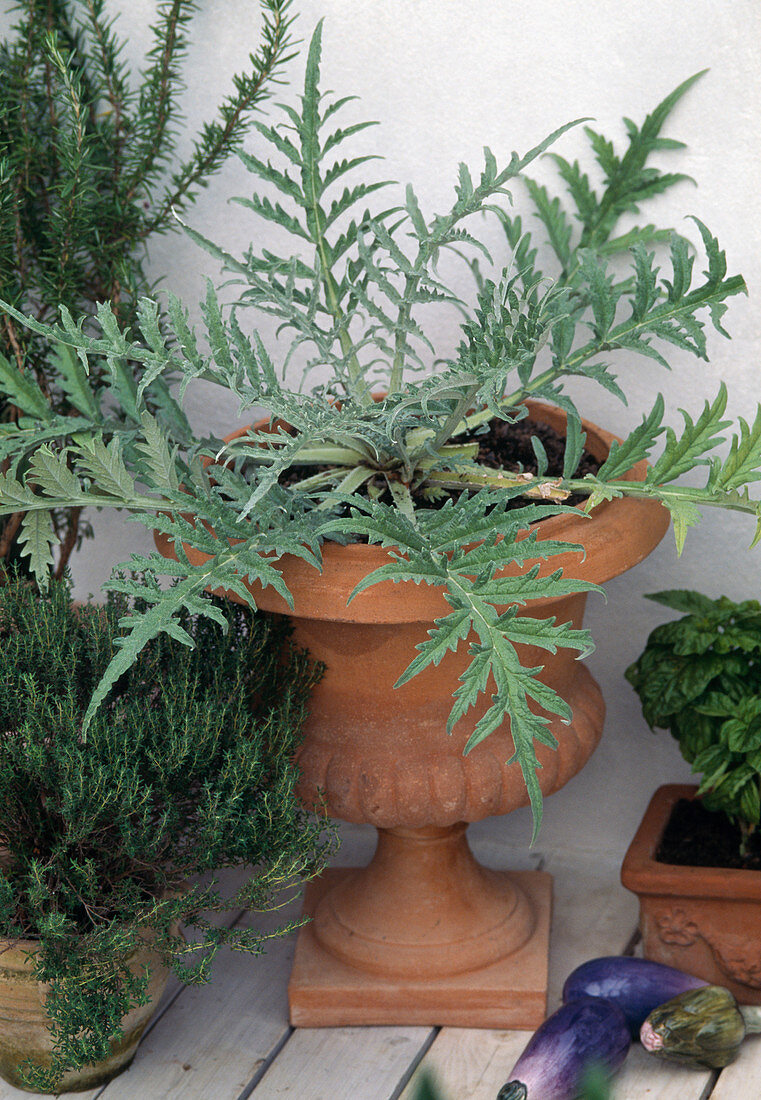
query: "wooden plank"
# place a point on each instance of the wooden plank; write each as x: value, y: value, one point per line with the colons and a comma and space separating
x: 214, y: 1037
x: 469, y: 1063
x: 743, y: 1077
x: 644, y: 1077
x: 341, y: 1063
x: 592, y: 915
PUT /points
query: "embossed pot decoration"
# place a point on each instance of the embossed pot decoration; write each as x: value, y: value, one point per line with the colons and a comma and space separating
x: 25, y: 1027
x: 424, y: 934
x: 705, y: 920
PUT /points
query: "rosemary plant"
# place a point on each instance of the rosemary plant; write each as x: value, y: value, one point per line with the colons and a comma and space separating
x: 699, y: 677
x: 188, y: 769
x: 89, y: 173
x: 401, y: 471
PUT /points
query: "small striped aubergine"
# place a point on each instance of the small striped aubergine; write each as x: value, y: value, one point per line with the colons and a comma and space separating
x: 702, y: 1027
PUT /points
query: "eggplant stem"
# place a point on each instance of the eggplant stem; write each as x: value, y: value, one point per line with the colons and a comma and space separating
x: 752, y: 1016
x: 513, y: 1090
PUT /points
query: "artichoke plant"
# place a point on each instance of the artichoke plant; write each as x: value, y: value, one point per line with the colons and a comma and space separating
x: 381, y: 441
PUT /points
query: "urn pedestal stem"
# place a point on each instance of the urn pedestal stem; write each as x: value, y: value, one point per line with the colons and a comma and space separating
x: 424, y: 906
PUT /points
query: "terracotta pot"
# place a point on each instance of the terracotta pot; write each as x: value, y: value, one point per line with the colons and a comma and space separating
x: 24, y: 1026
x: 424, y: 934
x: 705, y: 920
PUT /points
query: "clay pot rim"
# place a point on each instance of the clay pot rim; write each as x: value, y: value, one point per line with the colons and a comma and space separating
x: 614, y: 538
x: 643, y: 874
x: 598, y: 443
x: 31, y: 945
x: 16, y: 954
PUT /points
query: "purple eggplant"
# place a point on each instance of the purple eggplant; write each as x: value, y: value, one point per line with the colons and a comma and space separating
x: 637, y: 986
x: 585, y: 1034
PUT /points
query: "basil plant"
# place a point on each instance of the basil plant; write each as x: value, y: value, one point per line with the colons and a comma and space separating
x: 379, y: 440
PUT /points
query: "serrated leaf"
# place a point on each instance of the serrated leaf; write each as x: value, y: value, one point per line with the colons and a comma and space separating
x: 21, y: 389
x: 225, y: 258
x: 684, y: 515
x: 445, y: 636
x: 401, y: 570
x: 681, y: 264
x: 350, y: 197
x: 602, y: 294
x: 280, y: 140
x: 263, y: 208
x: 344, y: 132
x: 604, y: 153
x: 637, y: 445
x: 342, y: 167
x: 160, y: 459
x: 575, y: 439
x: 683, y: 453
x: 416, y: 217
x: 75, y: 381
x: 105, y: 465
x: 646, y: 292
x: 141, y: 629
x: 644, y: 235
x: 266, y: 171
x: 743, y: 463
x: 600, y: 373
x: 577, y: 182
x: 50, y: 471
x: 37, y: 538
x: 554, y: 219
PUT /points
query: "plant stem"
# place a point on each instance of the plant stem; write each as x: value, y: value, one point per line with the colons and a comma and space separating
x: 752, y: 1016
x: 69, y: 541
x: 649, y: 491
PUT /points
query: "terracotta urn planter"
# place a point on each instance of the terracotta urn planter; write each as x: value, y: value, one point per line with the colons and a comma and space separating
x: 424, y: 934
x: 24, y: 1026
x: 705, y: 920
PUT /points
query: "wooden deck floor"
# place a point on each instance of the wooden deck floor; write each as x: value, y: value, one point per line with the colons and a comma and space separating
x: 230, y: 1040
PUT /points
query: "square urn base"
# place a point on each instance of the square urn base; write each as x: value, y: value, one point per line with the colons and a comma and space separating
x: 512, y: 993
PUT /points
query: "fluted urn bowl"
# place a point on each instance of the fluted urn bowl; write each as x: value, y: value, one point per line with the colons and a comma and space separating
x: 425, y: 934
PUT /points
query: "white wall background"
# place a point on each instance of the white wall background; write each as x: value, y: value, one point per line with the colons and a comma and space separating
x: 446, y: 77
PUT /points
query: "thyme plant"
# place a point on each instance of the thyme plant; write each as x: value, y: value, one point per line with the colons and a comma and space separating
x: 699, y: 677
x: 90, y: 173
x: 187, y: 770
x: 401, y: 471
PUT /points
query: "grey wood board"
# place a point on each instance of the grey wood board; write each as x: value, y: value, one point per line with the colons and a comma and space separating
x: 743, y: 1078
x: 353, y: 1063
x: 644, y: 1077
x: 216, y: 1036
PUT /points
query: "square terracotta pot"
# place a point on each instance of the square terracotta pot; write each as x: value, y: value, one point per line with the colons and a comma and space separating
x: 704, y: 920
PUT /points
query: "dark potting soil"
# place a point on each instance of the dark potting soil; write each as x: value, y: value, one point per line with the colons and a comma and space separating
x: 508, y: 447
x: 696, y: 837
x: 502, y: 446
